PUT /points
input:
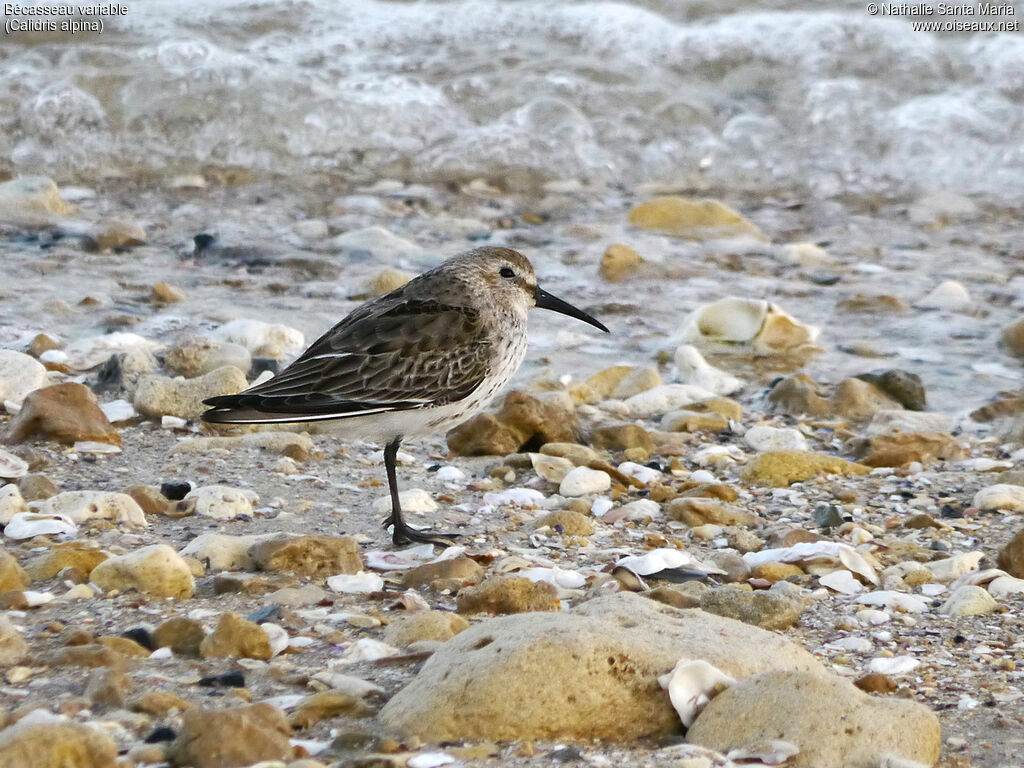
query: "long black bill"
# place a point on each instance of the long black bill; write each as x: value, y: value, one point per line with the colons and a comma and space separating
x: 546, y: 301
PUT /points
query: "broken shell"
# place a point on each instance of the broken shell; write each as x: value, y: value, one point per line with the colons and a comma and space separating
x: 278, y: 638
x: 842, y: 581
x: 25, y: 525
x: 366, y: 649
x: 658, y: 560
x: 12, y: 467
x: 816, y: 550
x: 691, y: 685
x: 551, y: 468
x: 356, y: 583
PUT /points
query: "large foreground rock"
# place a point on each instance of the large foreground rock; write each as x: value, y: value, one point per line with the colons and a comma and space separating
x: 833, y: 723
x: 588, y: 674
x: 56, y: 745
x: 231, y: 738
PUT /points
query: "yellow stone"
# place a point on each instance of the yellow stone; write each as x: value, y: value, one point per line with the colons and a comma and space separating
x: 619, y: 263
x: 693, y: 219
x: 781, y: 468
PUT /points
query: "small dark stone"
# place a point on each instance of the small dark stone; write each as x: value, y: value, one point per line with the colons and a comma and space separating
x: 203, y: 241
x: 904, y: 387
x: 142, y: 636
x: 175, y: 490
x: 266, y: 613
x: 827, y: 516
x: 566, y: 755
x: 109, y: 376
x: 433, y: 468
x: 950, y: 512
x: 162, y: 733
x: 261, y: 364
x: 233, y: 679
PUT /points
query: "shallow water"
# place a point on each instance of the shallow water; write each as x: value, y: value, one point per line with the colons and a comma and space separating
x: 768, y: 98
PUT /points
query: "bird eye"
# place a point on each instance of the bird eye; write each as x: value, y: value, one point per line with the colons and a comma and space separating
x: 507, y: 272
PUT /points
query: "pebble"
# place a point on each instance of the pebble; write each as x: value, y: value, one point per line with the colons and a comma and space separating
x: 19, y: 375
x: 695, y: 370
x: 67, y: 413
x: 261, y: 339
x: 155, y: 570
x: 667, y: 397
x: 27, y: 525
x: 165, y: 293
x: 314, y: 556
x: 763, y: 608
x: 619, y: 263
x: 221, y: 502
x: 236, y: 637
x: 507, y: 594
x: 199, y: 356
x: 1012, y: 337
x: 948, y: 295
x: 92, y: 351
x: 782, y: 468
x: 1002, y: 496
x: 359, y: 583
x: 765, y: 438
x: 82, y: 506
x: 968, y: 600
x: 217, y: 738
x: 378, y: 241
x: 621, y: 437
x: 11, y: 503
x: 413, y: 500
x: 158, y: 396
x: 31, y: 201
x: 582, y: 481
x: 693, y: 219
x: 13, y: 648
x: 424, y: 625
x: 56, y: 744
x: 761, y: 327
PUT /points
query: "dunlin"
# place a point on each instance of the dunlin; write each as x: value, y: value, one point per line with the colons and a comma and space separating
x: 420, y: 359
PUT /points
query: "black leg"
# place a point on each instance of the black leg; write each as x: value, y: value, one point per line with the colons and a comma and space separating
x: 402, y: 533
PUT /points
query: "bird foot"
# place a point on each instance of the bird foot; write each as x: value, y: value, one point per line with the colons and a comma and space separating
x: 403, y: 534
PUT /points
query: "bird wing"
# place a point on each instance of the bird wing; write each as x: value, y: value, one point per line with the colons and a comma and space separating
x: 412, y: 353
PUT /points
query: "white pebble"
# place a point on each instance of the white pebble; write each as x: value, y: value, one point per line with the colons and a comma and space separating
x: 356, y: 583
x: 896, y: 665
x: 413, y: 500
x: 583, y: 480
x: 1000, y: 496
x: 19, y: 375
x: 764, y: 438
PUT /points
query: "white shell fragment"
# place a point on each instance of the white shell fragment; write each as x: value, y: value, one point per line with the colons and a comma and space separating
x: 895, y: 665
x: 413, y: 500
x: 691, y: 685
x: 526, y: 498
x: 356, y: 583
x: 366, y: 649
x: 694, y: 369
x: 644, y: 474
x: 28, y: 524
x: 897, y: 601
x: 119, y: 410
x: 565, y: 581
x: 841, y: 581
x: 384, y: 560
x: 11, y: 503
x: 12, y: 467
x: 278, y: 637
x: 658, y: 560
x: 816, y: 550
x: 775, y: 752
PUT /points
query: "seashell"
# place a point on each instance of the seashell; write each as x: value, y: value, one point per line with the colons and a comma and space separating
x: 565, y: 581
x: 25, y: 525
x: 119, y: 410
x: 365, y: 649
x: 34, y: 599
x: 278, y: 637
x: 816, y: 550
x: 691, y: 685
x: 285, y: 701
x: 412, y: 500
x: 952, y: 568
x: 841, y: 581
x: 896, y: 665
x: 734, y: 319
x: 356, y: 583
x: 526, y: 498
x: 429, y: 760
x: 644, y: 474
x: 383, y: 560
x: 775, y: 752
x: 551, y: 468
x: 899, y: 601
x: 658, y: 560
x: 694, y: 369
x: 94, y: 447
x: 12, y: 467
